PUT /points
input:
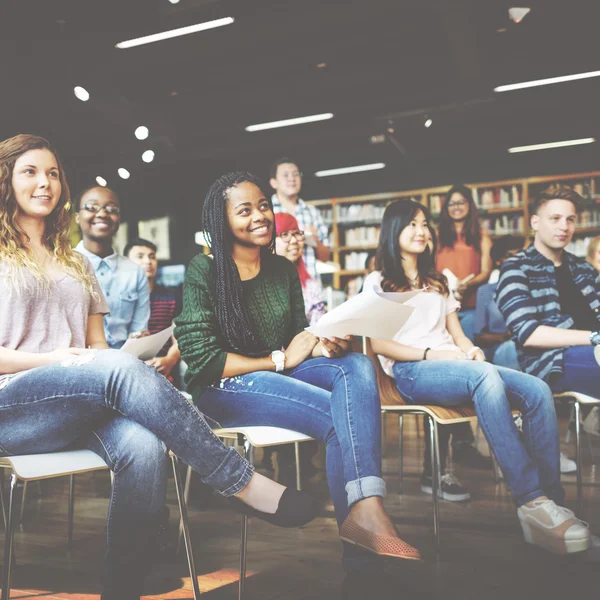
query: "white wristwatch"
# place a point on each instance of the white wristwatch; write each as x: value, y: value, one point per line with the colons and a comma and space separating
x: 278, y: 358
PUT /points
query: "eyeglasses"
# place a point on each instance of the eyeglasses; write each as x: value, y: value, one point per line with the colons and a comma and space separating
x: 286, y: 236
x: 457, y: 203
x: 95, y: 209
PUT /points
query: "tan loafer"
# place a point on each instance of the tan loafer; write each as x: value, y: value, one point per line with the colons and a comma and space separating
x: 378, y: 544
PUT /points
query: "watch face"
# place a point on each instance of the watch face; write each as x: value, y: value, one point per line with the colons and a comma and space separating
x: 278, y: 356
x: 595, y: 338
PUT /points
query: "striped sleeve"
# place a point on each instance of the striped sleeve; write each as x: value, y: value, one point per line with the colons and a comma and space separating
x: 515, y: 302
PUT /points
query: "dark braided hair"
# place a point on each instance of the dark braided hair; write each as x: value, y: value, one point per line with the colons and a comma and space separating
x: 231, y: 313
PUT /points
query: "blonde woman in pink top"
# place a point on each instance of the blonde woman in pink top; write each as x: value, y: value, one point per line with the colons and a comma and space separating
x: 433, y: 362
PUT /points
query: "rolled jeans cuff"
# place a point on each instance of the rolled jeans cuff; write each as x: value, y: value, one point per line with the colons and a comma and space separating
x: 365, y: 487
x: 525, y: 498
x: 231, y: 476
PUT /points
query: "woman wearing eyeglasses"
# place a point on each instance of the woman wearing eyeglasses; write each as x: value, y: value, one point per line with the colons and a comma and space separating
x: 464, y: 248
x: 123, y: 283
x: 290, y: 244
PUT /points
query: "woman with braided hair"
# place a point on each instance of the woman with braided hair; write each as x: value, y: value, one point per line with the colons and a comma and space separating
x: 251, y: 362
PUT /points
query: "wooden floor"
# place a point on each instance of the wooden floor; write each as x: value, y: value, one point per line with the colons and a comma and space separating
x: 483, y: 555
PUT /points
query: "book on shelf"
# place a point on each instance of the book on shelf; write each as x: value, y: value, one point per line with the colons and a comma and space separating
x: 504, y: 224
x: 353, y: 261
x: 498, y: 197
x: 348, y: 213
x: 579, y: 246
x: 362, y: 236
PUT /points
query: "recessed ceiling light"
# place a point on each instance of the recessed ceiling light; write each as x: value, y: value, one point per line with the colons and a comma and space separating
x: 142, y: 132
x: 123, y: 173
x: 289, y: 122
x: 81, y: 93
x: 547, y: 81
x: 148, y: 156
x: 428, y: 123
x: 345, y: 170
x: 517, y: 14
x: 101, y: 181
x: 549, y: 145
x: 165, y: 35
x: 174, y: 1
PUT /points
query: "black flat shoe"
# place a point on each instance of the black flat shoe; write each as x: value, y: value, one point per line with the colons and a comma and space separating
x: 295, y: 509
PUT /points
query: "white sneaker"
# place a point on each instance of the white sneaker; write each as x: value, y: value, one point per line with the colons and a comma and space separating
x: 553, y: 527
x: 567, y: 465
x: 591, y: 424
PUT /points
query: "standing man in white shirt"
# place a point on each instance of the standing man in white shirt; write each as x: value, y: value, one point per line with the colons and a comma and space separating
x: 286, y: 180
x: 123, y: 283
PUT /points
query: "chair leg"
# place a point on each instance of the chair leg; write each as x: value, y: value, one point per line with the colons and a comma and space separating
x: 186, y: 497
x: 436, y: 448
x: 71, y: 511
x: 2, y: 496
x: 571, y: 418
x: 23, y: 501
x: 401, y: 449
x: 8, y: 539
x: 434, y: 482
x: 298, y: 473
x: 185, y: 526
x: 578, y: 451
x: 248, y: 455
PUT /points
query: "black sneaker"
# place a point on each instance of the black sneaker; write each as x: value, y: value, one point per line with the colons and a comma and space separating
x: 469, y: 456
x: 452, y: 489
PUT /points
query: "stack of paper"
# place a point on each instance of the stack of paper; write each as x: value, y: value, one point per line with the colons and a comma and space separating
x: 373, y: 314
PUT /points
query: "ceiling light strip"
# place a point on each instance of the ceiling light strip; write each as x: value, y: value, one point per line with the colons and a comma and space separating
x: 548, y: 81
x: 562, y: 144
x: 346, y: 170
x: 165, y: 35
x: 289, y: 122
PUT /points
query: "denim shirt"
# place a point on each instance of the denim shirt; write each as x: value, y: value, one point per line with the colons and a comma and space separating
x: 527, y: 297
x: 126, y: 289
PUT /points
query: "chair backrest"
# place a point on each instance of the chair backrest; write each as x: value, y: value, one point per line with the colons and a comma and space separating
x: 388, y: 392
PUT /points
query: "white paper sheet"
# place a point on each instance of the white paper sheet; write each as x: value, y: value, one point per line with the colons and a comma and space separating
x: 148, y: 347
x: 378, y: 315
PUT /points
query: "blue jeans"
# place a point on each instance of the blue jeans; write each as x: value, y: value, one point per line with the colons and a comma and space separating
x: 128, y: 414
x: 505, y: 355
x: 581, y: 372
x: 333, y: 400
x: 531, y: 468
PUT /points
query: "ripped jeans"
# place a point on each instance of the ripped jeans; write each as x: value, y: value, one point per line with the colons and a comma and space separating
x: 127, y: 413
x: 333, y: 400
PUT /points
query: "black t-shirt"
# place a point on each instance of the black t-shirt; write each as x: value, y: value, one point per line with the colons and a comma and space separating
x: 572, y: 301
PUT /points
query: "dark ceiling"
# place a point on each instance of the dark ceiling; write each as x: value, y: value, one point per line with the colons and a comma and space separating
x: 395, y: 61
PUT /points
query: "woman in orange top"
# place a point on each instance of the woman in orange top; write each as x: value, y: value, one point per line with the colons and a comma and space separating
x: 464, y: 249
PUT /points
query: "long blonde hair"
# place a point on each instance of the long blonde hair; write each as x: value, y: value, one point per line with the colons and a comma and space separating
x: 13, y: 250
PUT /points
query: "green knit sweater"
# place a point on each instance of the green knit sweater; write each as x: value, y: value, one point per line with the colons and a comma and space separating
x: 274, y: 303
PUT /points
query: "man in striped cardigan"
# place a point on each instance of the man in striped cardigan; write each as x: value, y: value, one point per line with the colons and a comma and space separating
x: 550, y: 299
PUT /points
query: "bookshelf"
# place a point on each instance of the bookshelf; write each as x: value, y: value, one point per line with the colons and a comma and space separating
x: 503, y: 208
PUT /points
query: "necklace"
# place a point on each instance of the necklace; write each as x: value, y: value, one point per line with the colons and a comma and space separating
x: 413, y: 282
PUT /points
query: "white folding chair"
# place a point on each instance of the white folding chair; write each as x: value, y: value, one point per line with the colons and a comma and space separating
x: 578, y: 400
x: 34, y: 467
x: 246, y: 438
